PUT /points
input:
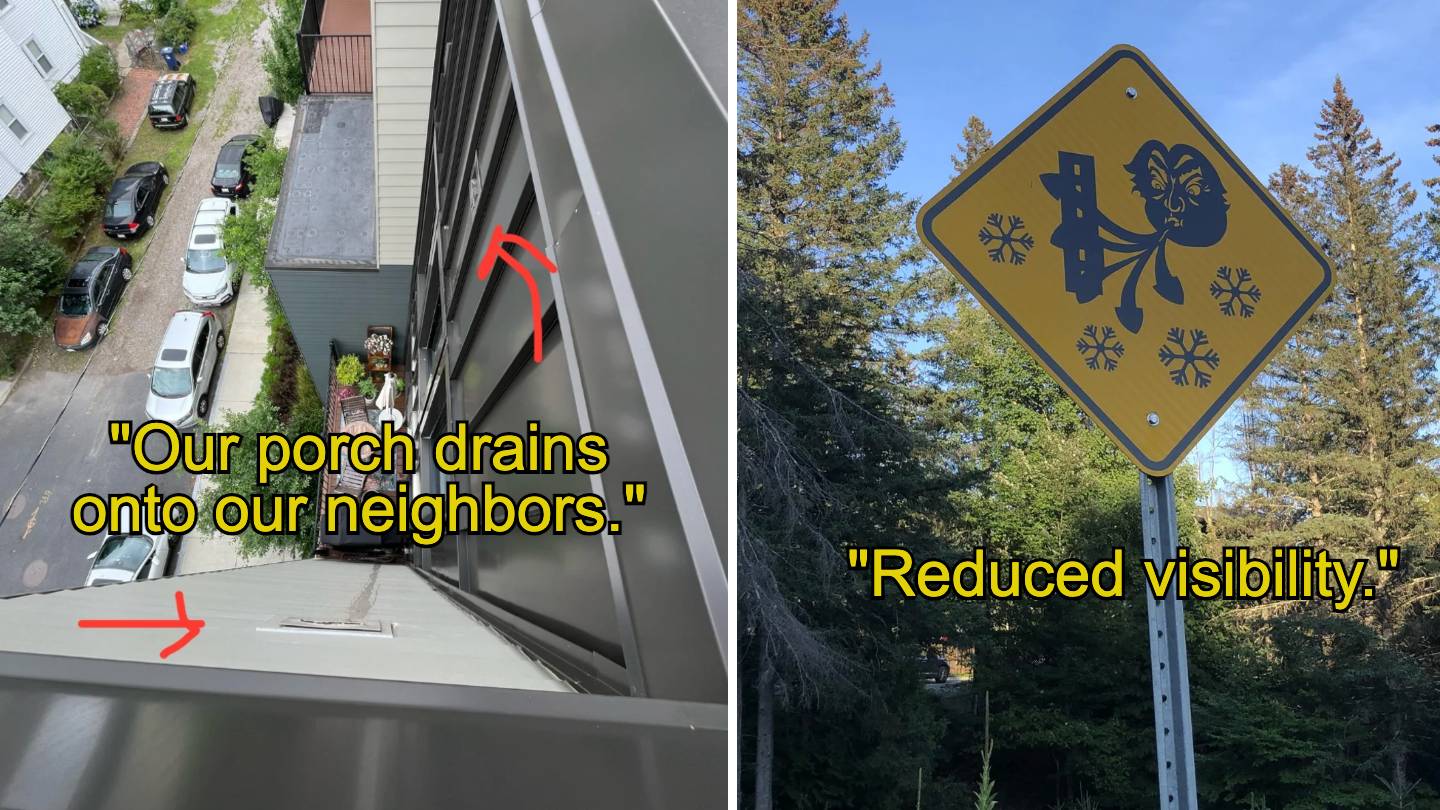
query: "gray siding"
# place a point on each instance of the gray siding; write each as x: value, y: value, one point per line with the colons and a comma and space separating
x: 325, y: 305
x: 524, y: 136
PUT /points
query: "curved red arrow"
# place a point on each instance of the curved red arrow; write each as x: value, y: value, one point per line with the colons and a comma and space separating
x: 494, y: 251
x: 181, y: 622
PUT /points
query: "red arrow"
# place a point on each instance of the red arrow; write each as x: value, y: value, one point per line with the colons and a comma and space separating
x: 182, y: 622
x: 496, y: 252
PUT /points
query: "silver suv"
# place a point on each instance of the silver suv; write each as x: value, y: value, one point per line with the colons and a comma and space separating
x: 185, y: 369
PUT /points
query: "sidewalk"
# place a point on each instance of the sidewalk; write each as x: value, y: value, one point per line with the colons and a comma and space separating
x: 243, y: 364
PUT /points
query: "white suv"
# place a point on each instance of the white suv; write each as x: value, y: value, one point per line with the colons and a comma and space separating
x: 208, y: 275
x: 185, y: 369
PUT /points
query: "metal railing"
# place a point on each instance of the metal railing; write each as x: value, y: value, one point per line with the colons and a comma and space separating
x: 336, y: 63
x: 332, y: 63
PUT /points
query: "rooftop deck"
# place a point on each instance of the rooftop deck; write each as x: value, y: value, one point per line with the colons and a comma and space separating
x: 335, y: 45
x: 325, y: 217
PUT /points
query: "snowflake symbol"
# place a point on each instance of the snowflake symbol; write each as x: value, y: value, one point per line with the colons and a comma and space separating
x: 1234, y: 288
x: 1184, y: 359
x: 1099, y: 346
x: 1006, y: 233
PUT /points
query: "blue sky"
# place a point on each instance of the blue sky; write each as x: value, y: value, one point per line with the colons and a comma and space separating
x: 1256, y: 71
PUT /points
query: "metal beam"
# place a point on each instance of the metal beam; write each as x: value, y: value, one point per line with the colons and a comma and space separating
x: 1169, y: 663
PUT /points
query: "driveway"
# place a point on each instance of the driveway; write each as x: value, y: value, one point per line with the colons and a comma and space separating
x: 54, y: 424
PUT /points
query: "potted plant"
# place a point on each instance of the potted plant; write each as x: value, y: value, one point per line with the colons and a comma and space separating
x: 367, y: 390
x: 378, y: 343
x: 348, y: 372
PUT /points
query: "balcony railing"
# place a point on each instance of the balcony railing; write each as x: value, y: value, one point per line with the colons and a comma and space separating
x: 334, y: 58
x: 360, y: 486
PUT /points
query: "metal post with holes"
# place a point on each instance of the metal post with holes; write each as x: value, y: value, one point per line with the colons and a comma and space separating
x: 1169, y: 664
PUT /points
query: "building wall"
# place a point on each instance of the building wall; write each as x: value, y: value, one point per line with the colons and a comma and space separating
x: 54, y: 30
x: 30, y: 100
x: 322, y: 304
x: 404, y: 55
x: 525, y: 136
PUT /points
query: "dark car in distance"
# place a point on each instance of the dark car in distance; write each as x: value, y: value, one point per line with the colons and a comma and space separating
x: 932, y: 667
x: 233, y: 175
x: 170, y: 100
x: 89, y: 297
x: 133, y: 200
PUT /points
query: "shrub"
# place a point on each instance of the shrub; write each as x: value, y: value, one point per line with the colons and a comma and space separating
x: 176, y: 26
x: 87, y: 13
x: 134, y: 12
x: 84, y: 102
x: 159, y: 8
x: 282, y: 55
x: 30, y: 268
x: 247, y: 235
x: 244, y: 464
x: 349, y: 370
x: 77, y: 171
x: 98, y: 67
x: 105, y: 134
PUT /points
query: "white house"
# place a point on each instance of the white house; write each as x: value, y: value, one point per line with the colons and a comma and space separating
x: 40, y: 47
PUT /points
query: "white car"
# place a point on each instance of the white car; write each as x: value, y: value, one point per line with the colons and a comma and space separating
x: 131, y: 557
x: 208, y: 275
x: 185, y: 369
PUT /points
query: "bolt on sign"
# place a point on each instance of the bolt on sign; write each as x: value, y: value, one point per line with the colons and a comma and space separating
x: 1124, y: 244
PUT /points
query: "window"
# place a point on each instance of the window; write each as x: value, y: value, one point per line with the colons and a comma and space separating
x: 9, y: 120
x: 41, y: 60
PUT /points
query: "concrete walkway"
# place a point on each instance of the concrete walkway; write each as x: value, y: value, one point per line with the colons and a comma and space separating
x: 242, y: 366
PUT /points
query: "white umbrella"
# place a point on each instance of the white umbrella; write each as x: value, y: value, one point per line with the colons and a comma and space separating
x: 385, y: 401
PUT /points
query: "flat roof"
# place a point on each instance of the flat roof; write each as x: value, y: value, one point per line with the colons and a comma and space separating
x: 325, y: 217
x: 285, y: 617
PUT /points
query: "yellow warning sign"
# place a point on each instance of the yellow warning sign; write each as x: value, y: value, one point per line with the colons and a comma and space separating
x: 1119, y: 239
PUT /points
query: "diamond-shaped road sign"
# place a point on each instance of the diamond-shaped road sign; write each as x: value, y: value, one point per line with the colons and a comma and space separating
x: 1118, y: 238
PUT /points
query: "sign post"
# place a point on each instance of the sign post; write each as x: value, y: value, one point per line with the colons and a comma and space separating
x: 1169, y: 664
x: 1150, y: 273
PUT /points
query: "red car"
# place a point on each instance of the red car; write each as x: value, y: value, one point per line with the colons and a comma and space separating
x: 90, y: 296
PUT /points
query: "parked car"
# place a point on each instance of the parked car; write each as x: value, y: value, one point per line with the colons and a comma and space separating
x: 131, y: 556
x: 933, y: 668
x: 234, y: 175
x: 134, y: 200
x: 89, y: 297
x: 170, y: 100
x: 185, y: 369
x: 209, y: 276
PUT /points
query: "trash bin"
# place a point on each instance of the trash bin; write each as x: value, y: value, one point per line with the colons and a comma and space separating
x: 184, y: 48
x: 168, y: 54
x: 270, y: 110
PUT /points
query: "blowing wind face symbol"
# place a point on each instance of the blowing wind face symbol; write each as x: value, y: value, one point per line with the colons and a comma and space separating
x: 1184, y: 202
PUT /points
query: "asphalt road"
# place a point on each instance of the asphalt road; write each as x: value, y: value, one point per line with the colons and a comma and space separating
x: 39, y: 549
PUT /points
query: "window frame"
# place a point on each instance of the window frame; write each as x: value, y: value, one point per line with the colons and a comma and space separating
x: 37, y: 55
x: 13, y: 122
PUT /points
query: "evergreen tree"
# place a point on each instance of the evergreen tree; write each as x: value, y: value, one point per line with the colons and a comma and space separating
x: 1339, y: 430
x: 975, y: 140
x: 1343, y: 448
x: 827, y: 458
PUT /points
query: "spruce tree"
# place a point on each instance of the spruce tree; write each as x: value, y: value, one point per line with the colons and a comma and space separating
x: 826, y: 458
x: 1339, y: 430
x: 1344, y: 449
x: 975, y: 140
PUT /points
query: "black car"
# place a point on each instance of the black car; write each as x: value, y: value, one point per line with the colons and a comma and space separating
x: 170, y: 100
x: 932, y: 667
x: 134, y: 198
x: 89, y: 297
x: 233, y: 174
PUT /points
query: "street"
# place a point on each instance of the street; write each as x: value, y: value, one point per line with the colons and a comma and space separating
x: 53, y: 425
